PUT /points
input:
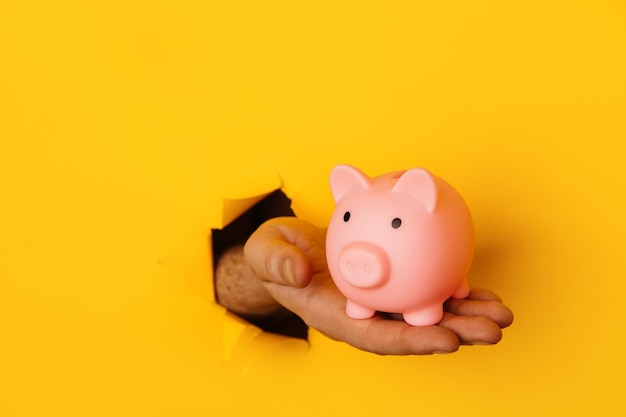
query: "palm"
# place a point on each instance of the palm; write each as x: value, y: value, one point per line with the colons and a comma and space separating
x: 322, y: 307
x: 304, y: 286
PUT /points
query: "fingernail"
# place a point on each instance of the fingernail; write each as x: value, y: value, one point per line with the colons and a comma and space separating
x: 289, y: 273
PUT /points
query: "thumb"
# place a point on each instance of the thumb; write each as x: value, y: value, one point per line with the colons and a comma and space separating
x: 283, y: 250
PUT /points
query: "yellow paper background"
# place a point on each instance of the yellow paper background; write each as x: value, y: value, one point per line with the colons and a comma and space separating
x: 127, y: 127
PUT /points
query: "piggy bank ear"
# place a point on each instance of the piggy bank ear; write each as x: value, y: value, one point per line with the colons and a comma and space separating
x: 421, y: 184
x: 344, y: 178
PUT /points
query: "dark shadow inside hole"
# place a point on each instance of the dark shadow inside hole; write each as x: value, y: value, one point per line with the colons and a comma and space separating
x: 276, y: 204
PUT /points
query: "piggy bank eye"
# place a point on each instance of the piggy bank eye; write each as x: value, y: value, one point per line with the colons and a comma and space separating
x: 346, y: 216
x: 395, y: 223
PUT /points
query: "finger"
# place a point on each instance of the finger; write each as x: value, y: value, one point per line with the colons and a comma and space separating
x: 483, y: 295
x: 494, y: 310
x: 279, y: 251
x: 472, y: 330
x: 394, y: 337
x: 275, y: 260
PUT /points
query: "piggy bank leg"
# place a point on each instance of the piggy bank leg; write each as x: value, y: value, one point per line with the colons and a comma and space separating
x: 424, y: 317
x: 462, y: 291
x: 356, y: 311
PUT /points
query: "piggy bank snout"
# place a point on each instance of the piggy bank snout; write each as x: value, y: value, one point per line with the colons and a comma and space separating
x: 364, y: 265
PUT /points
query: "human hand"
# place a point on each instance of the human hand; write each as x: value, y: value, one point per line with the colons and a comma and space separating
x: 287, y: 255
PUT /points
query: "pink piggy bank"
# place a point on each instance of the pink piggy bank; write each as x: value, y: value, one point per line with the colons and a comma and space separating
x: 402, y: 242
